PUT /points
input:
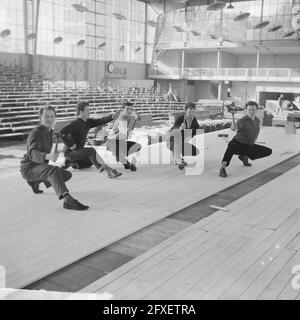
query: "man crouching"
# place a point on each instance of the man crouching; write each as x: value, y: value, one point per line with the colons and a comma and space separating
x: 35, y: 168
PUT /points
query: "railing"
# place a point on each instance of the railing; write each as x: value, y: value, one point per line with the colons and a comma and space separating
x: 228, y: 74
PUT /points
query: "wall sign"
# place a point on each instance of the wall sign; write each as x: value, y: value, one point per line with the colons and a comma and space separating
x: 114, y: 71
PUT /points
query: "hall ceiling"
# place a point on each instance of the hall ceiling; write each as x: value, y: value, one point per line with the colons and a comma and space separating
x: 169, y: 5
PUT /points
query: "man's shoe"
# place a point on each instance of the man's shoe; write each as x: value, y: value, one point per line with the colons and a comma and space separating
x: 127, y: 166
x: 132, y: 167
x: 73, y: 204
x: 223, y: 173
x: 182, y: 165
x: 113, y: 173
x: 244, y: 159
x: 35, y: 187
x: 69, y: 164
x: 101, y: 169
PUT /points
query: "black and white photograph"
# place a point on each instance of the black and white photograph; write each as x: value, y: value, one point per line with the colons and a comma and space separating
x: 149, y: 152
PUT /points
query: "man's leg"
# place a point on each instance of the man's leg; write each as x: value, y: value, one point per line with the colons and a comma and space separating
x: 190, y: 150
x: 234, y: 147
x: 90, y: 154
x: 56, y: 177
x: 87, y: 155
x: 133, y: 147
x: 119, y: 150
x: 178, y: 145
x: 257, y: 151
x: 128, y: 148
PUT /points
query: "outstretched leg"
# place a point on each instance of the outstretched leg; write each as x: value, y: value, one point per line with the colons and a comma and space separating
x: 90, y: 154
x: 257, y: 151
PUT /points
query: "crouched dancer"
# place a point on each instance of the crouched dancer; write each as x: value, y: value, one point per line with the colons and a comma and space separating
x: 74, y: 136
x: 118, y: 142
x: 35, y: 168
x: 184, y: 128
x: 243, y: 143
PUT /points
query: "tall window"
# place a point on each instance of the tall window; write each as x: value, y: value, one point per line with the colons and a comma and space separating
x: 200, y: 27
x: 12, y: 19
x: 109, y: 30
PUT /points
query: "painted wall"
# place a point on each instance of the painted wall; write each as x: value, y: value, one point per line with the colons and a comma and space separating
x: 59, y: 68
x: 180, y: 86
x: 7, y: 58
x: 270, y: 61
x: 203, y: 90
x: 171, y: 58
x: 201, y: 60
x: 229, y: 60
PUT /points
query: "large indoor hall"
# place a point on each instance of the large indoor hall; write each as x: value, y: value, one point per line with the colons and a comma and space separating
x: 150, y: 150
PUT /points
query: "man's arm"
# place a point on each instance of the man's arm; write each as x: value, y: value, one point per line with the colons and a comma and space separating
x: 136, y: 116
x: 34, y: 146
x: 234, y: 124
x: 66, y: 134
x: 195, y: 126
x: 178, y: 123
x: 92, y: 122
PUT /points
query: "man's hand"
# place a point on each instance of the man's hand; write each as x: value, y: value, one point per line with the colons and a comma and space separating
x: 52, y: 156
x: 73, y: 147
x: 182, y: 127
x: 116, y: 114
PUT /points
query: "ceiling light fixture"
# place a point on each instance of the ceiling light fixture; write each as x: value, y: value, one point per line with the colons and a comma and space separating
x: 217, y: 5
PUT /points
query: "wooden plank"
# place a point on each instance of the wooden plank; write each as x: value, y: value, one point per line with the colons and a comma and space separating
x: 281, y: 280
x: 295, y: 243
x: 192, y: 282
x: 203, y: 283
x: 257, y: 287
x: 178, y: 266
x: 279, y: 237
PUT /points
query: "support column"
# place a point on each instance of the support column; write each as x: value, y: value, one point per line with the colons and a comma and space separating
x: 220, y: 82
x: 36, y: 29
x: 182, y: 63
x: 257, y: 57
x: 146, y: 33
x: 219, y: 58
x: 220, y: 85
x: 25, y: 11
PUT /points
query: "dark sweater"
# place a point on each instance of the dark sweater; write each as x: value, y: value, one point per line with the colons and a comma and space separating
x: 247, y: 130
x: 76, y: 131
x: 39, y: 143
x: 194, y: 124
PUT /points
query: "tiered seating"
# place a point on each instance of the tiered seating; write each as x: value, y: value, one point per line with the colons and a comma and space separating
x: 23, y: 93
x: 18, y: 108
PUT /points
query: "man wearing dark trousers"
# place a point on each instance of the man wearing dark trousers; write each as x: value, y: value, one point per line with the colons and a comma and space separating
x: 118, y: 142
x: 243, y: 143
x: 35, y: 168
x: 184, y: 128
x: 74, y: 137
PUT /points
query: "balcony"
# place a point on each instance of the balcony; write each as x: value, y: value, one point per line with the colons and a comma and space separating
x: 228, y: 74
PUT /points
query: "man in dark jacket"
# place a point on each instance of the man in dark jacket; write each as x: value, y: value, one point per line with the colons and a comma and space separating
x: 243, y: 143
x: 74, y: 137
x: 35, y: 168
x: 184, y: 128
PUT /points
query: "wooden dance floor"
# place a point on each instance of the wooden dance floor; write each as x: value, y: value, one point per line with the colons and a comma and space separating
x: 38, y: 237
x: 247, y: 252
